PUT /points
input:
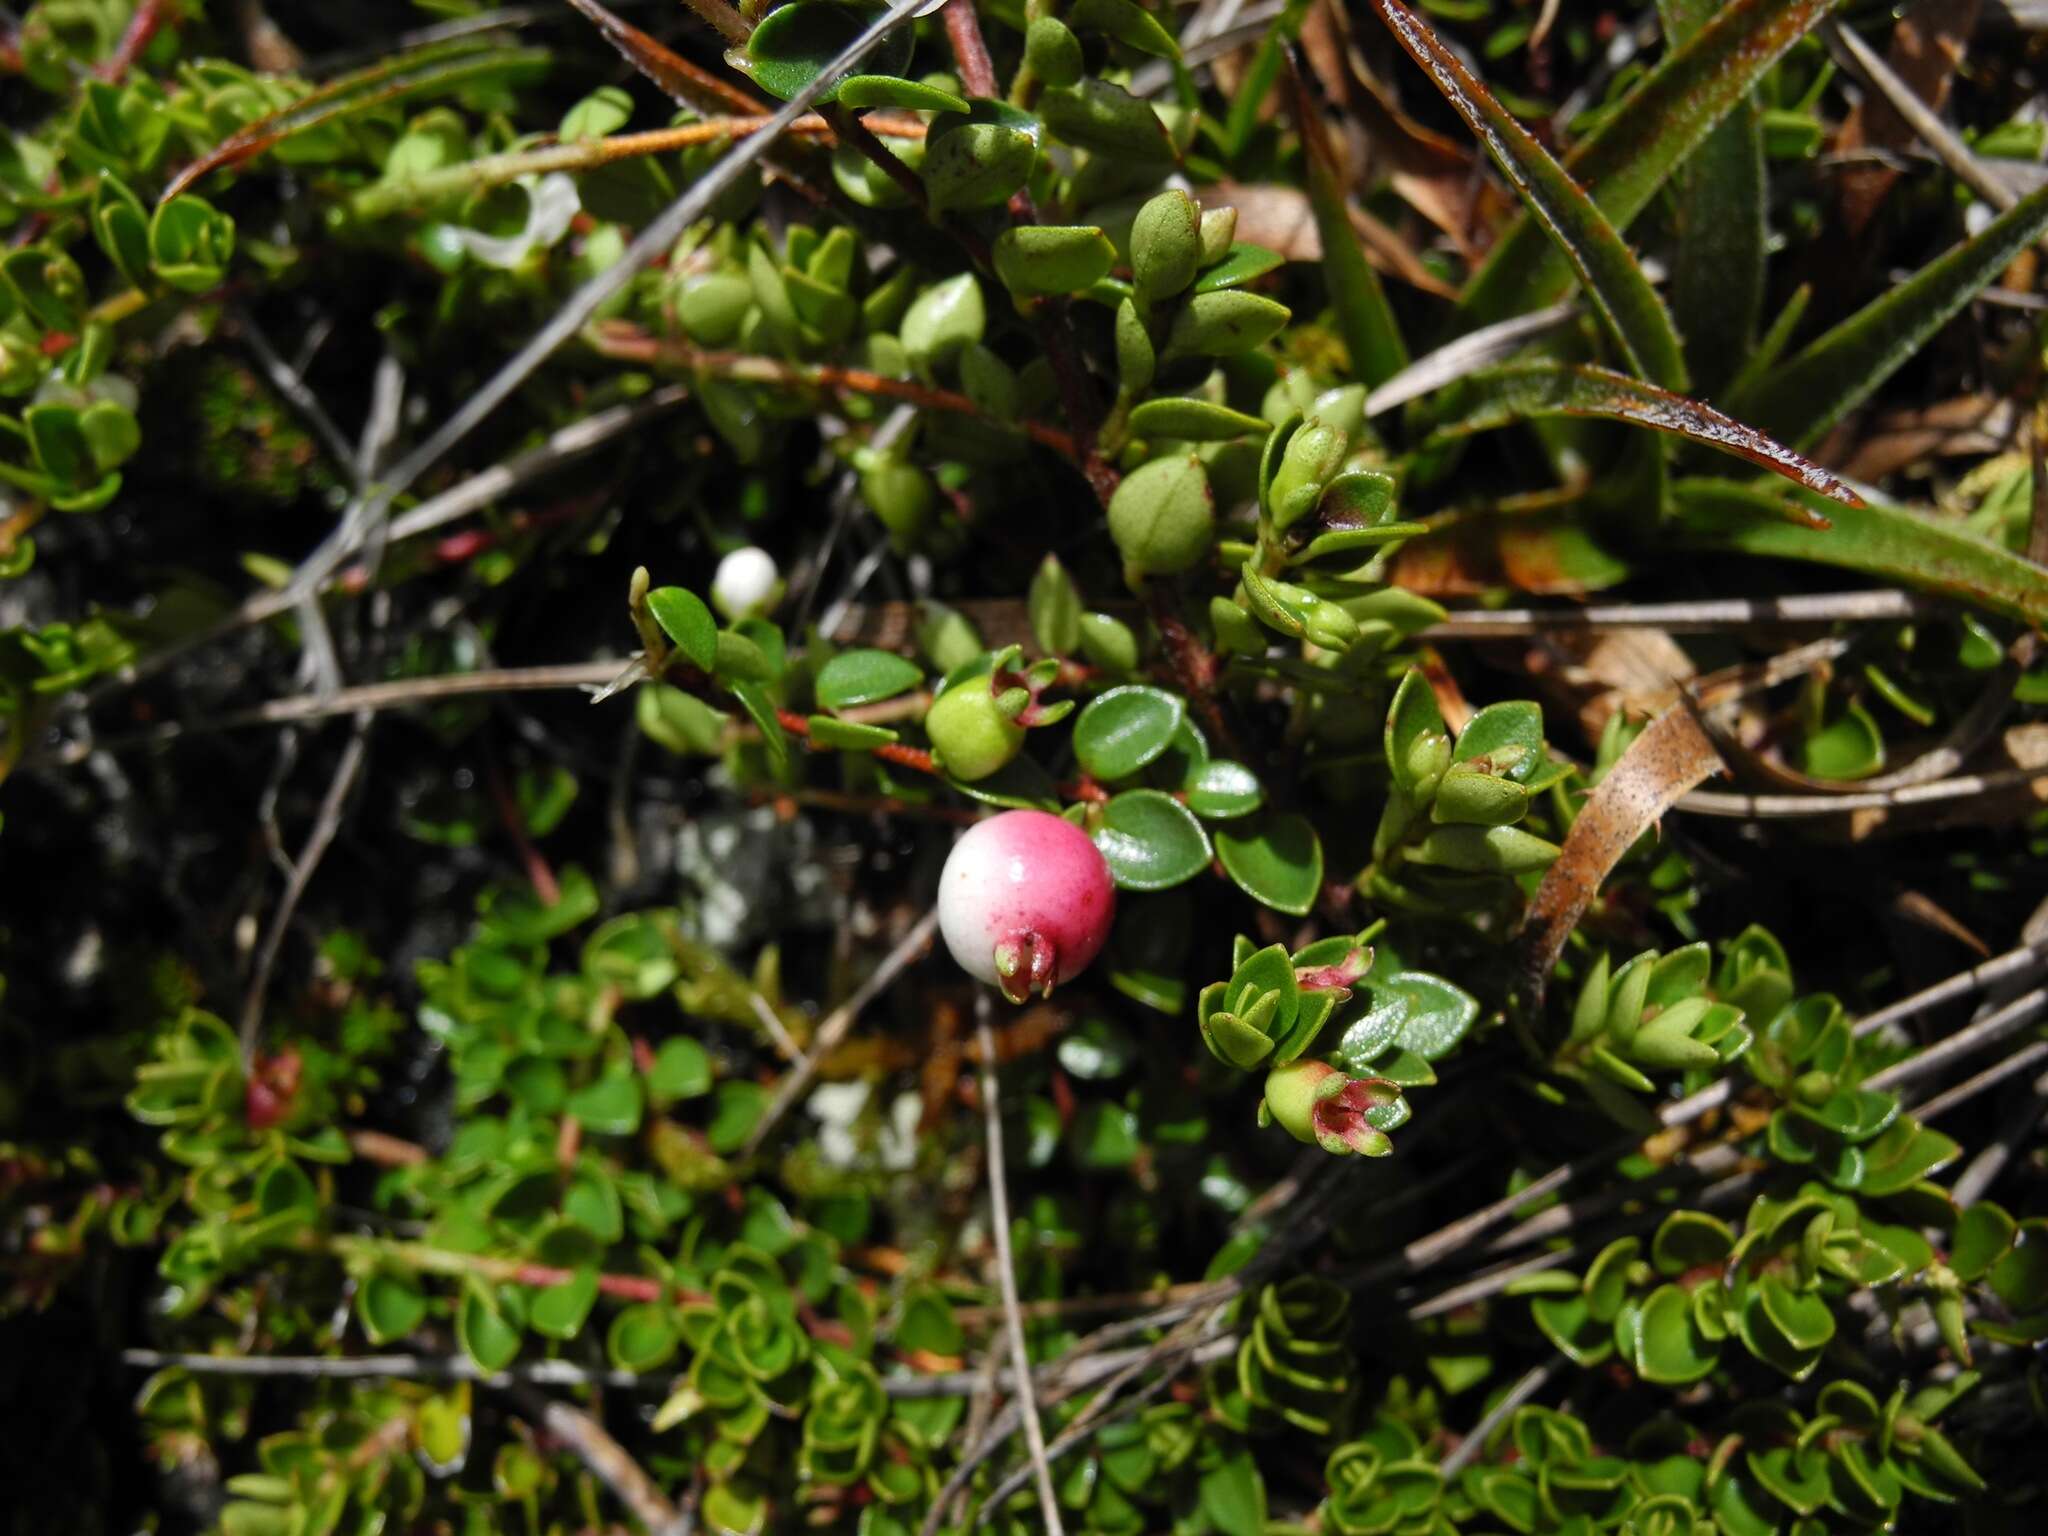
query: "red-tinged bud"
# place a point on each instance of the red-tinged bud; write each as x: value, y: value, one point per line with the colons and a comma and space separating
x: 1316, y: 1102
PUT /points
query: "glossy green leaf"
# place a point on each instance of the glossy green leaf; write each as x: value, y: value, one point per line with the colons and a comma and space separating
x: 488, y: 1324
x: 1122, y: 730
x: 1151, y: 841
x: 905, y: 95
x: 559, y: 1310
x: 1218, y: 790
x: 642, y: 1337
x: 1224, y: 323
x: 682, y: 1070
x: 609, y: 1106
x: 794, y: 44
x: 1275, y: 858
x: 684, y: 618
x: 1983, y: 1235
x: 1434, y: 1014
x: 390, y: 1306
x: 865, y: 677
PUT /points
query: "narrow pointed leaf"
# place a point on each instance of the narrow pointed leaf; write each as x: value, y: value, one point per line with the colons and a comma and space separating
x: 1717, y: 278
x: 1524, y: 391
x: 1645, y: 139
x: 1838, y: 371
x: 1879, y: 540
x: 439, y: 67
x: 1640, y: 324
x: 1363, y: 314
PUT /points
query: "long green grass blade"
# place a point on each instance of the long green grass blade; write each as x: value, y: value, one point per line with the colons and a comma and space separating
x: 1645, y: 139
x: 1837, y: 371
x: 1717, y: 277
x: 1363, y: 314
x: 1640, y: 324
x: 1880, y: 540
x: 1500, y: 397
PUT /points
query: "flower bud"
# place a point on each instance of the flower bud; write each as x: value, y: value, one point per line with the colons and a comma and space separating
x: 971, y: 732
x: 1315, y: 1102
x: 1219, y: 228
x: 746, y: 584
x: 1162, y: 516
x: 1166, y: 246
x: 1309, y: 462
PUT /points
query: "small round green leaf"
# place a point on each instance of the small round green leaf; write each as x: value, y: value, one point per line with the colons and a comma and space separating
x: 1275, y: 859
x: 1218, y: 790
x: 685, y: 620
x: 1151, y: 841
x: 390, y: 1306
x: 865, y: 677
x: 642, y: 1337
x: 1124, y: 729
x: 1669, y: 1347
x: 488, y: 1325
x: 682, y: 1070
x: 1052, y: 258
x: 978, y: 160
x: 559, y: 1310
x: 794, y: 44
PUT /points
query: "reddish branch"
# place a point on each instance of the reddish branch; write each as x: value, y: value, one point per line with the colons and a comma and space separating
x: 1194, y: 667
x: 142, y: 26
x: 630, y: 344
x: 970, y: 50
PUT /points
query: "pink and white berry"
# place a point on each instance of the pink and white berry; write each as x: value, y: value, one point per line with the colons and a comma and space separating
x: 746, y: 584
x: 1025, y: 902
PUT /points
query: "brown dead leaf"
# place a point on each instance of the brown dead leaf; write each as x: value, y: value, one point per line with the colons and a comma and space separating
x: 1672, y: 756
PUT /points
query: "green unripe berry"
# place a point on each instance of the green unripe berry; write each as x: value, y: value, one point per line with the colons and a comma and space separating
x: 1052, y: 52
x: 971, y: 734
x: 1163, y: 517
x: 1166, y: 246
